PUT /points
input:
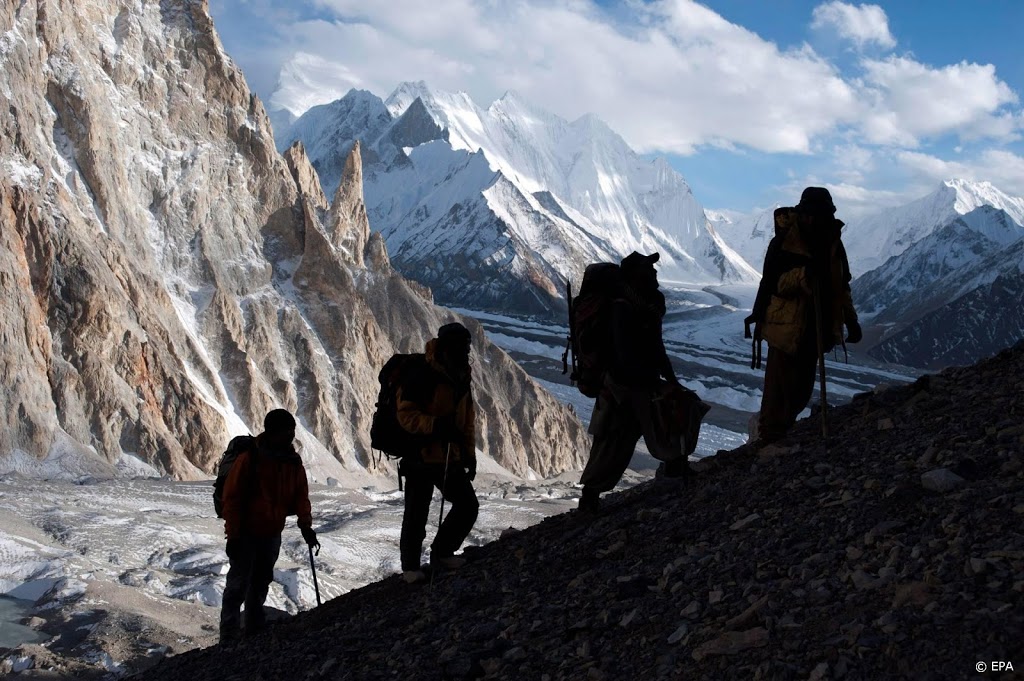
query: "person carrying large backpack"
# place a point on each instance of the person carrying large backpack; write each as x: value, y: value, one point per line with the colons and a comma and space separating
x: 435, y: 402
x: 265, y: 484
x: 634, y: 368
x: 802, y: 304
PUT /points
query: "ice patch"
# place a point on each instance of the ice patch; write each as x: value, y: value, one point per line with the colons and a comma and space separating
x: 33, y: 590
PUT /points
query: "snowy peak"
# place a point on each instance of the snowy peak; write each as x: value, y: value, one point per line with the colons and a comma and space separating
x: 404, y: 95
x: 968, y: 195
x: 539, y: 196
x: 875, y: 238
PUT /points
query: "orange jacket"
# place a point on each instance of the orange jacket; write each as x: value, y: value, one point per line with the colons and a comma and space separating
x: 256, y: 502
x: 433, y: 394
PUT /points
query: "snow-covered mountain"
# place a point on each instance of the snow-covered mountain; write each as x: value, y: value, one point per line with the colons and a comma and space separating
x: 895, y: 289
x: 747, y: 233
x: 168, y: 276
x: 875, y: 238
x: 493, y: 208
x: 949, y: 297
x: 972, y: 312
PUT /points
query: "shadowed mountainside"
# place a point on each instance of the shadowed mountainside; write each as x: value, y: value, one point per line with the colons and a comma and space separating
x: 896, y: 552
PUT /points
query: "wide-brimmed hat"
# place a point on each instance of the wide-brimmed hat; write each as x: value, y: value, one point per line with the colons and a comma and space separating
x: 636, y: 262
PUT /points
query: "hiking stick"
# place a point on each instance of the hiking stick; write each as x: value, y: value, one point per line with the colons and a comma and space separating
x: 821, y: 359
x: 312, y: 565
x: 444, y: 484
x: 440, y: 517
x: 568, y: 338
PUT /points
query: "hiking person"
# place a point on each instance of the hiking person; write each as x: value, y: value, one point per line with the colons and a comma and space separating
x: 805, y: 255
x: 635, y: 363
x: 435, y: 402
x: 266, y: 483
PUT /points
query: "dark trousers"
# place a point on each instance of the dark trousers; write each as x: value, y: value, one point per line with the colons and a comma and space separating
x: 788, y: 386
x: 420, y: 481
x: 616, y: 431
x: 250, y: 572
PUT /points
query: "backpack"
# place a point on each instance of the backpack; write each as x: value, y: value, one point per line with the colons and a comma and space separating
x: 590, y: 326
x: 238, y: 444
x: 386, y: 433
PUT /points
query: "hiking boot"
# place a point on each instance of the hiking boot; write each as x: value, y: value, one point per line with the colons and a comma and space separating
x: 230, y: 636
x: 678, y: 469
x: 414, y: 576
x: 590, y: 503
x: 448, y: 562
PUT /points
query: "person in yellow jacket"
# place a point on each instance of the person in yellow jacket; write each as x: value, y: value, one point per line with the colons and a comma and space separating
x: 806, y: 250
x: 436, y: 403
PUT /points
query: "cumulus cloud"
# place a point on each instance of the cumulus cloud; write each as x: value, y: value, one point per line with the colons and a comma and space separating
x: 668, y: 75
x: 911, y: 100
x: 676, y: 77
x: 1002, y: 168
x: 863, y: 25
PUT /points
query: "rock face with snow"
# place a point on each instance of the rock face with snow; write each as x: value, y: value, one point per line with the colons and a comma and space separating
x: 747, y: 233
x: 168, y: 276
x: 968, y: 314
x: 952, y: 297
x: 872, y: 240
x: 493, y: 208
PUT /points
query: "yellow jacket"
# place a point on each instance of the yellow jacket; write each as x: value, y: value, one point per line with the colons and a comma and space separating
x: 786, y: 296
x: 432, y: 395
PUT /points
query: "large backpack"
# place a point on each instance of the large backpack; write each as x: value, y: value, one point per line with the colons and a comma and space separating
x: 238, y: 444
x: 386, y: 433
x: 590, y: 330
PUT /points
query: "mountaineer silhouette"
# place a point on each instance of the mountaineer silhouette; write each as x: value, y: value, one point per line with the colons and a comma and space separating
x: 425, y: 416
x: 619, y: 357
x: 260, y: 482
x: 802, y: 304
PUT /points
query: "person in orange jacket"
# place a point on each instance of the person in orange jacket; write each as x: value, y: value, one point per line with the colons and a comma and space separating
x: 266, y: 484
x: 436, y: 403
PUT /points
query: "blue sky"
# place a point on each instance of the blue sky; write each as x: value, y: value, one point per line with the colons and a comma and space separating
x: 749, y: 100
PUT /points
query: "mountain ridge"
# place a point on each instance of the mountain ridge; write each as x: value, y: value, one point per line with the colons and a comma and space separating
x: 618, y: 201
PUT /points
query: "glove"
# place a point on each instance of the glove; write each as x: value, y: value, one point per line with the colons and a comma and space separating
x: 445, y: 429
x: 233, y: 547
x: 854, y: 332
x: 310, y: 536
x: 471, y: 469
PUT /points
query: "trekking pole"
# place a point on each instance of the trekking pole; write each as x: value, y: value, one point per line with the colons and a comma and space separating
x: 821, y: 359
x: 444, y: 484
x: 312, y: 565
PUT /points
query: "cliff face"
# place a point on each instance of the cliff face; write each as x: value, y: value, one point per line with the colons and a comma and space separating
x: 169, y: 277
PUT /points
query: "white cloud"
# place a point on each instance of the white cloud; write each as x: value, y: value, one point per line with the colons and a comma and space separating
x: 676, y: 77
x: 861, y: 24
x: 670, y: 77
x: 910, y: 100
x: 1002, y: 168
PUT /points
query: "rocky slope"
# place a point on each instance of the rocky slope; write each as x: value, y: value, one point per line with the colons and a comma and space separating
x: 169, y: 276
x: 896, y: 552
x: 494, y: 207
